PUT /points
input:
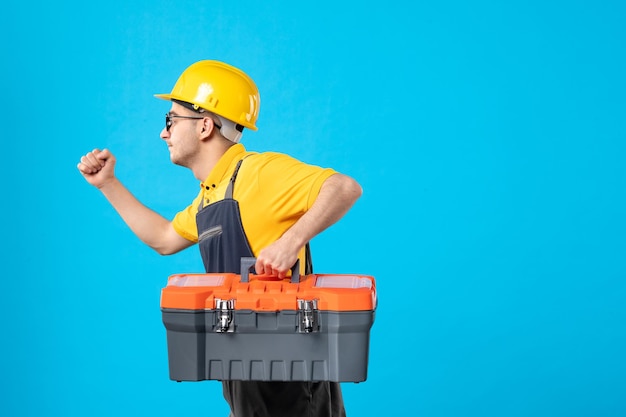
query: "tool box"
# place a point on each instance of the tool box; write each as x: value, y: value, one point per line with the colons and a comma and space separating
x: 262, y: 328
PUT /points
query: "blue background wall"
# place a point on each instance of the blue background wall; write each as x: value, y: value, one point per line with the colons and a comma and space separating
x: 488, y: 137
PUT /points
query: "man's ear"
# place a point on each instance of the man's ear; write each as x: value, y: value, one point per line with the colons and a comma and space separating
x: 206, y: 128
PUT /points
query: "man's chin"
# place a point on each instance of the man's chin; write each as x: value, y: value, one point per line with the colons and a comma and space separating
x: 177, y: 161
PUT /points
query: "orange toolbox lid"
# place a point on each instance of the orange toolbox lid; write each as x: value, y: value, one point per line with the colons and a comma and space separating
x: 333, y: 292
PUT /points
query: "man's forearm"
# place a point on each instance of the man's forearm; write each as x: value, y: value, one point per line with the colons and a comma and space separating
x: 149, y: 226
x: 337, y: 195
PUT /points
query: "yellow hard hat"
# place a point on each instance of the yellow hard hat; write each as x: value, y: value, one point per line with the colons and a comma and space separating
x: 219, y: 88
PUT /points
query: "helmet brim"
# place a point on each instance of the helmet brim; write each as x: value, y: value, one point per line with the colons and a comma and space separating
x: 170, y: 97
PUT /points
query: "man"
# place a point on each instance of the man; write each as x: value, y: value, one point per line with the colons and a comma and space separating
x: 266, y: 205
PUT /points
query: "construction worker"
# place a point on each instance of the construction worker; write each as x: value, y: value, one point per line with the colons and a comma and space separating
x: 264, y: 205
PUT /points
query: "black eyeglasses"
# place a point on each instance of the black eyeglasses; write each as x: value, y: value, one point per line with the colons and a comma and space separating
x: 169, y: 117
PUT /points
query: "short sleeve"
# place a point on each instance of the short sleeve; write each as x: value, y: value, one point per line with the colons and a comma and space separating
x: 185, y: 221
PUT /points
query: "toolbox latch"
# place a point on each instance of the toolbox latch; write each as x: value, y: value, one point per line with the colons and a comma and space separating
x: 308, y: 316
x: 224, y: 315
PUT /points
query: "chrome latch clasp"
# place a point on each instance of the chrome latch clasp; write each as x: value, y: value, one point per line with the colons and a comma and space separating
x: 225, y: 315
x: 308, y: 316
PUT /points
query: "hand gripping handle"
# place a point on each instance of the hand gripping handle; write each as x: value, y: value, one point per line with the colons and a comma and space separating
x: 248, y: 263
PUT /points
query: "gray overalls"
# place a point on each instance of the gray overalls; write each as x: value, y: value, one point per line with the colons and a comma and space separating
x: 223, y: 243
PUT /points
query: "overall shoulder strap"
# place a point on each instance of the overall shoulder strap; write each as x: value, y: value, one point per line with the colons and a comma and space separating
x: 308, y: 262
x: 308, y: 265
x: 231, y: 184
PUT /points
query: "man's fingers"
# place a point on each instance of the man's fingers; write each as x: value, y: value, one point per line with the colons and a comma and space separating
x: 93, y: 161
x: 263, y: 267
x: 89, y: 164
x: 259, y: 267
x: 84, y: 168
x: 97, y: 158
x: 268, y: 268
x: 102, y: 156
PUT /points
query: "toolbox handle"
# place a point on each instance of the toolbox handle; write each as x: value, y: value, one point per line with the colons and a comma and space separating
x: 248, y: 263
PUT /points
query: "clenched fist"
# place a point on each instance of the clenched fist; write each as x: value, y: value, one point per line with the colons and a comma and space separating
x: 97, y: 167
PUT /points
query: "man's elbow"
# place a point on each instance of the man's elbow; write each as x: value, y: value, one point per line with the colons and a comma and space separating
x: 170, y: 248
x: 165, y: 251
x: 352, y: 190
x: 357, y: 190
x: 169, y: 242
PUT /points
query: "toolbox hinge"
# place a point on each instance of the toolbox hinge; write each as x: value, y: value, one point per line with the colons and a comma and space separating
x: 308, y: 316
x: 224, y: 315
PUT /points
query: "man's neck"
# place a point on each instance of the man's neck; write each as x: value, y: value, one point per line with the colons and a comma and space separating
x: 209, y: 158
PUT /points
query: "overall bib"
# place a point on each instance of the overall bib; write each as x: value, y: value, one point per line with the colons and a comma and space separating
x: 223, y: 243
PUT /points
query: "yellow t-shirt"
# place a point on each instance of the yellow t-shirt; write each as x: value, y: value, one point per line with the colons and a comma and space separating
x: 273, y: 190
